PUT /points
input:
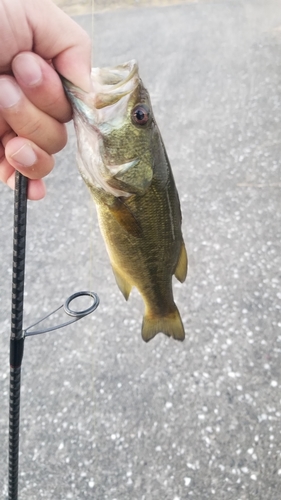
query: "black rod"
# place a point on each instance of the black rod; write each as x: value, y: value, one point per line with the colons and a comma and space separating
x: 17, y: 338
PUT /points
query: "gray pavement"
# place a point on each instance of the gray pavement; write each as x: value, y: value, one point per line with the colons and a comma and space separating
x: 104, y: 415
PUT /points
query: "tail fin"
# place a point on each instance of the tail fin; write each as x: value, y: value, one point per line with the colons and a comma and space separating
x: 170, y: 324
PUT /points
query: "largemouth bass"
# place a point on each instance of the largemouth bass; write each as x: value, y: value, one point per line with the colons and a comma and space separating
x: 123, y: 161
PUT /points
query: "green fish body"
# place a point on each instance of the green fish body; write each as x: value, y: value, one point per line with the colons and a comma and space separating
x: 124, y: 163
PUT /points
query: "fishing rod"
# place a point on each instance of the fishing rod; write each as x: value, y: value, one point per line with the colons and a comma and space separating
x: 18, y: 335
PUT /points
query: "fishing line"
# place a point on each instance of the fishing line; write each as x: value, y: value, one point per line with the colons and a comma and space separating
x: 91, y: 242
x: 90, y: 200
x: 92, y: 259
x: 92, y: 27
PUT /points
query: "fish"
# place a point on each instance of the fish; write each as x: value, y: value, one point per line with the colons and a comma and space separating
x: 123, y: 161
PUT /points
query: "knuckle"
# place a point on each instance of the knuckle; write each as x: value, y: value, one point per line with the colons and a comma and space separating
x: 51, y: 137
x: 57, y: 142
x: 59, y: 108
x: 30, y: 129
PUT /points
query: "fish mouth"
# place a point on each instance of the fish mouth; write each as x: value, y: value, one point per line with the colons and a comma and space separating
x: 111, y: 84
x: 109, y: 87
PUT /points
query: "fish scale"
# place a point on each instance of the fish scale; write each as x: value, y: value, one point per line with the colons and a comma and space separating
x: 137, y: 201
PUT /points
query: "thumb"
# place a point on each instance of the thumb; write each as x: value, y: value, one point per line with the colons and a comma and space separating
x: 56, y: 36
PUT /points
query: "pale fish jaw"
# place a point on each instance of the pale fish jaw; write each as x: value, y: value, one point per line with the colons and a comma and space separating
x: 103, y: 119
x: 106, y: 106
x: 104, y: 94
x: 112, y: 116
x: 91, y: 166
x: 108, y: 86
x: 112, y: 88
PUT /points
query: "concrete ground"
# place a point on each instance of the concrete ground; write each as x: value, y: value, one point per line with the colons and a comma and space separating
x: 74, y: 7
x: 105, y: 416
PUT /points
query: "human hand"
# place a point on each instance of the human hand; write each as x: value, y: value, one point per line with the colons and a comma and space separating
x: 33, y: 106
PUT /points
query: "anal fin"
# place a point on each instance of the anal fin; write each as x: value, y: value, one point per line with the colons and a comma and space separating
x: 181, y: 269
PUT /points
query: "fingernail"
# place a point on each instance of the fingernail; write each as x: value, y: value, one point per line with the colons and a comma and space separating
x: 27, y: 69
x: 9, y: 93
x: 25, y: 156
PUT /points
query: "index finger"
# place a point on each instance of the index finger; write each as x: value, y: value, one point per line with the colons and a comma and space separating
x: 41, y: 85
x: 27, y: 121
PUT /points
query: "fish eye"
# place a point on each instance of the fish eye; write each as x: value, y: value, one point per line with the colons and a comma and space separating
x: 140, y: 114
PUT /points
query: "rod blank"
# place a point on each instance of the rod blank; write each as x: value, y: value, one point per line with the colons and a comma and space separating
x: 16, y: 339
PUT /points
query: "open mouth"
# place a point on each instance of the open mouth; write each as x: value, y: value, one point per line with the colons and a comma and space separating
x: 111, y: 84
x: 115, y: 77
x: 111, y: 90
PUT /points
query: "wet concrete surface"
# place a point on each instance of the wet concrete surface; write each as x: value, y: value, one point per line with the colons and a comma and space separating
x: 104, y: 415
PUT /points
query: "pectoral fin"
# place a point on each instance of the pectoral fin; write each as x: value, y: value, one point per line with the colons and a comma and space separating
x: 181, y: 269
x: 123, y: 285
x: 121, y: 212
